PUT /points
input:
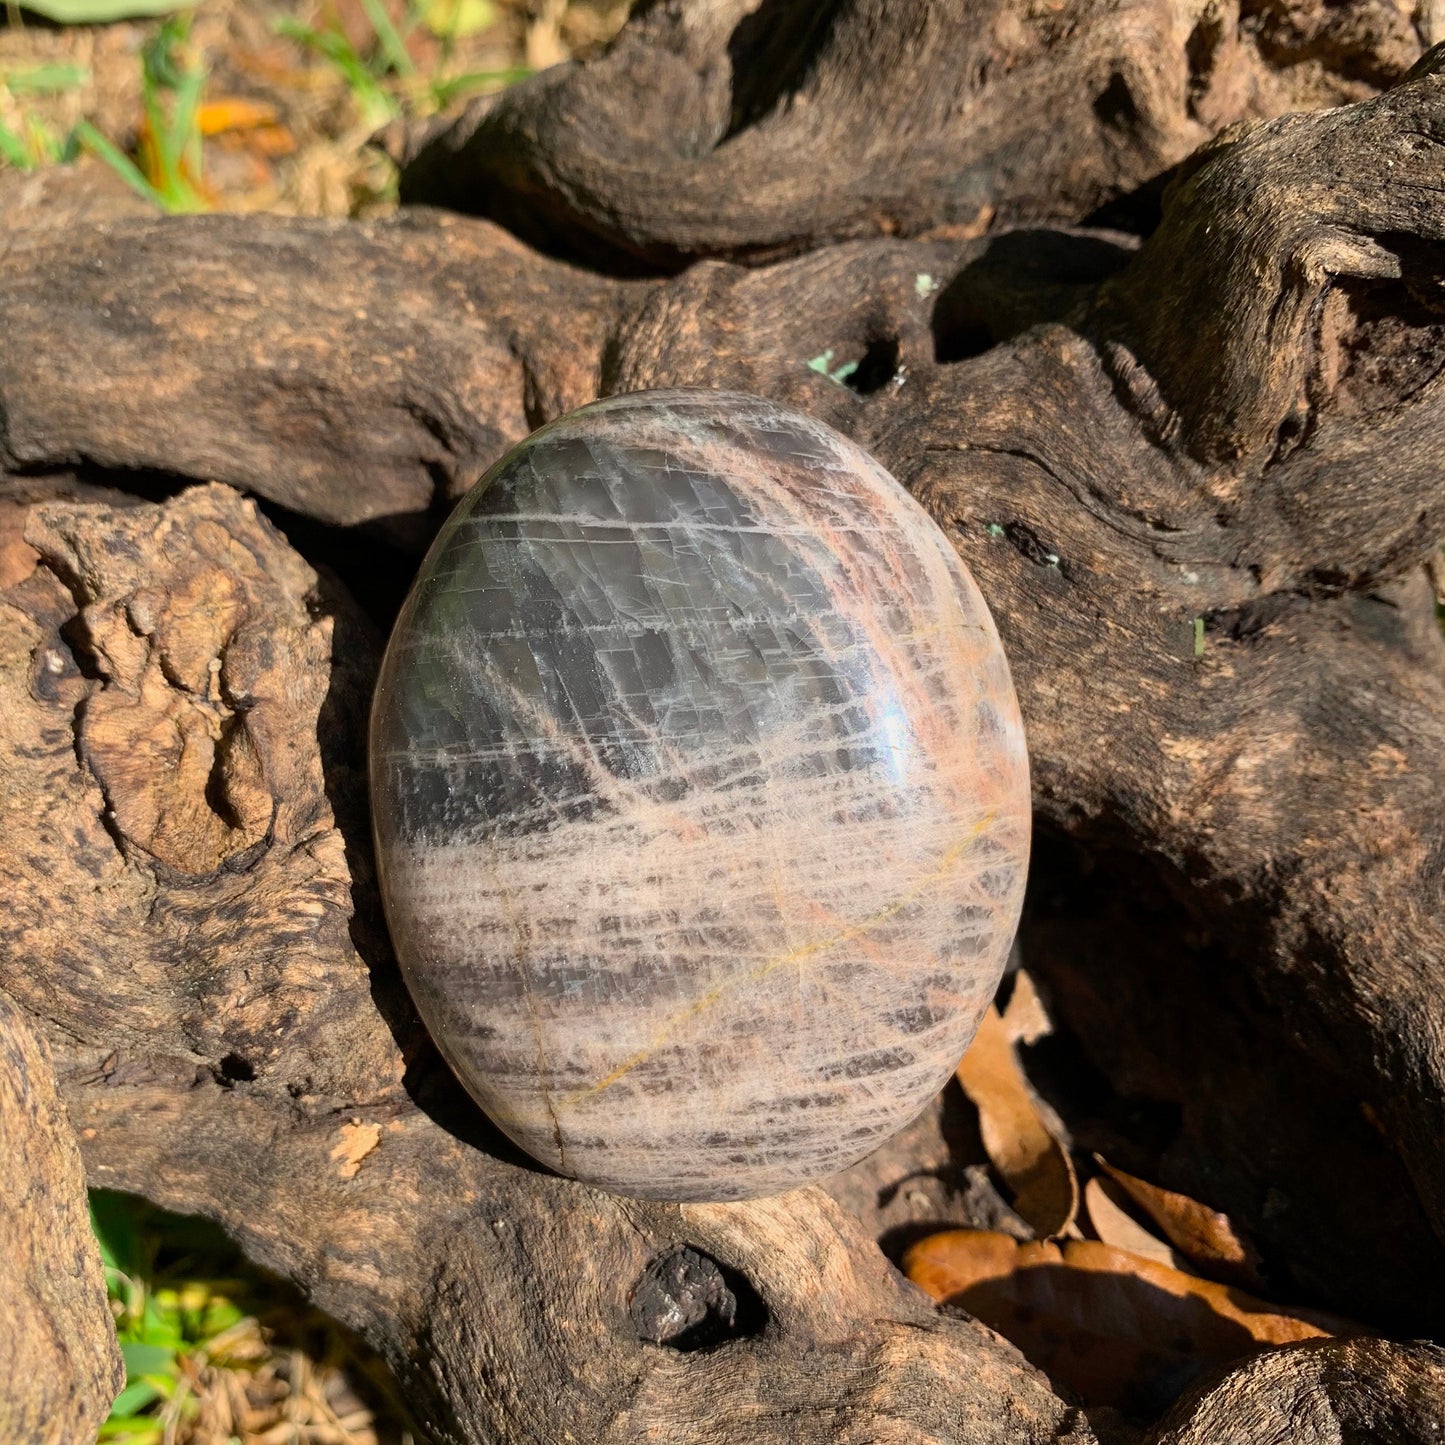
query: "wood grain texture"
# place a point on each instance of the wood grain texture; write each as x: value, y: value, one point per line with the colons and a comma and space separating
x: 1217, y: 618
x: 437, y: 347
x: 60, y: 1366
x: 1316, y: 1394
x: 701, y: 798
x: 749, y: 130
x: 224, y: 1014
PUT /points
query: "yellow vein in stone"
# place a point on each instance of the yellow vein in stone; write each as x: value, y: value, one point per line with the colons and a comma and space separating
x: 946, y: 864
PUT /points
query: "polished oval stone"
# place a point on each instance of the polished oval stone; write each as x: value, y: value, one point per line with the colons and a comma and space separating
x: 701, y: 799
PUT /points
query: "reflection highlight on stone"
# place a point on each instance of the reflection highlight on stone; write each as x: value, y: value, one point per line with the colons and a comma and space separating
x: 701, y: 797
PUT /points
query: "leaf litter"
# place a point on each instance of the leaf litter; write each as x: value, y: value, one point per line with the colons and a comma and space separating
x: 1166, y: 1288
x: 294, y: 94
x: 1114, y: 1327
x: 1022, y: 1141
x: 1203, y: 1235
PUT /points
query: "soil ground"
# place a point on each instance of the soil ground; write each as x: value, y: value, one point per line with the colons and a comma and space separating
x: 294, y: 94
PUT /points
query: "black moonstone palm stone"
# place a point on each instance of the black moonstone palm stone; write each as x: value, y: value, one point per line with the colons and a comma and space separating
x: 701, y: 797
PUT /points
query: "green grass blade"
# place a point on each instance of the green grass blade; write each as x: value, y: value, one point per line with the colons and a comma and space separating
x: 150, y: 97
x: 160, y: 1325
x: 392, y: 45
x: 446, y: 91
x: 101, y: 12
x: 133, y: 1430
x: 135, y: 1397
x: 45, y: 144
x: 13, y: 150
x: 143, y: 1359
x: 371, y: 100
x: 118, y: 161
x: 180, y: 141
x: 44, y: 79
x: 160, y: 67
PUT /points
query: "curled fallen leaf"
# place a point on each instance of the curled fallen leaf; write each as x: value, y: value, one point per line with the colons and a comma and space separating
x: 1020, y: 1143
x: 1203, y: 1235
x: 1025, y: 1018
x: 1114, y: 1327
x: 1117, y: 1227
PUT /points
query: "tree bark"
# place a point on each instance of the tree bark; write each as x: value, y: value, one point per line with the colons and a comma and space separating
x: 1195, y: 477
x: 1317, y: 1394
x: 61, y: 1366
x: 745, y: 130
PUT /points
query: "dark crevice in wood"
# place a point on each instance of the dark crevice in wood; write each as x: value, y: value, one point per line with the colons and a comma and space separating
x: 233, y: 1069
x: 770, y: 50
x: 145, y: 484
x: 365, y: 559
x: 687, y: 1301
x: 1149, y: 973
x: 876, y: 367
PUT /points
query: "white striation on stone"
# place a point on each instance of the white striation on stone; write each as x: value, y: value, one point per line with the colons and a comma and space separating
x: 701, y: 797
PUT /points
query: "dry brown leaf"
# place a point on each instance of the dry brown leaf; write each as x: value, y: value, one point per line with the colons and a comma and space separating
x: 271, y: 141
x: 234, y: 112
x: 1115, y: 1226
x: 1019, y: 1141
x: 357, y: 1141
x: 1116, y: 1328
x: 1203, y: 1235
x: 1026, y: 1020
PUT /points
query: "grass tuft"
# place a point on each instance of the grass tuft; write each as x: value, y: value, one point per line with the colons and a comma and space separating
x: 217, y: 1353
x: 281, y: 99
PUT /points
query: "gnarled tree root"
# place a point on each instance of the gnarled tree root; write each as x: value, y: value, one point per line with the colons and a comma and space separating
x: 61, y: 1366
x: 1196, y: 479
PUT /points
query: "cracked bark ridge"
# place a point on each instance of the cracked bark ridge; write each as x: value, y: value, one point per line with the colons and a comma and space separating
x: 61, y: 1366
x: 748, y: 130
x: 432, y: 347
x: 1321, y: 1393
x: 162, y: 663
x: 1221, y: 634
x: 181, y: 694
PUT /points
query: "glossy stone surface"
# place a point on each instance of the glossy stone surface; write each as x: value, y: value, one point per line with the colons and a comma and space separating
x: 701, y: 797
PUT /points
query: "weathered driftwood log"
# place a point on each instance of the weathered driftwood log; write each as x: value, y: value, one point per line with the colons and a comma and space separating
x: 1316, y: 1394
x: 1197, y: 481
x: 373, y: 387
x: 181, y: 696
x: 733, y: 128
x: 60, y: 1367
